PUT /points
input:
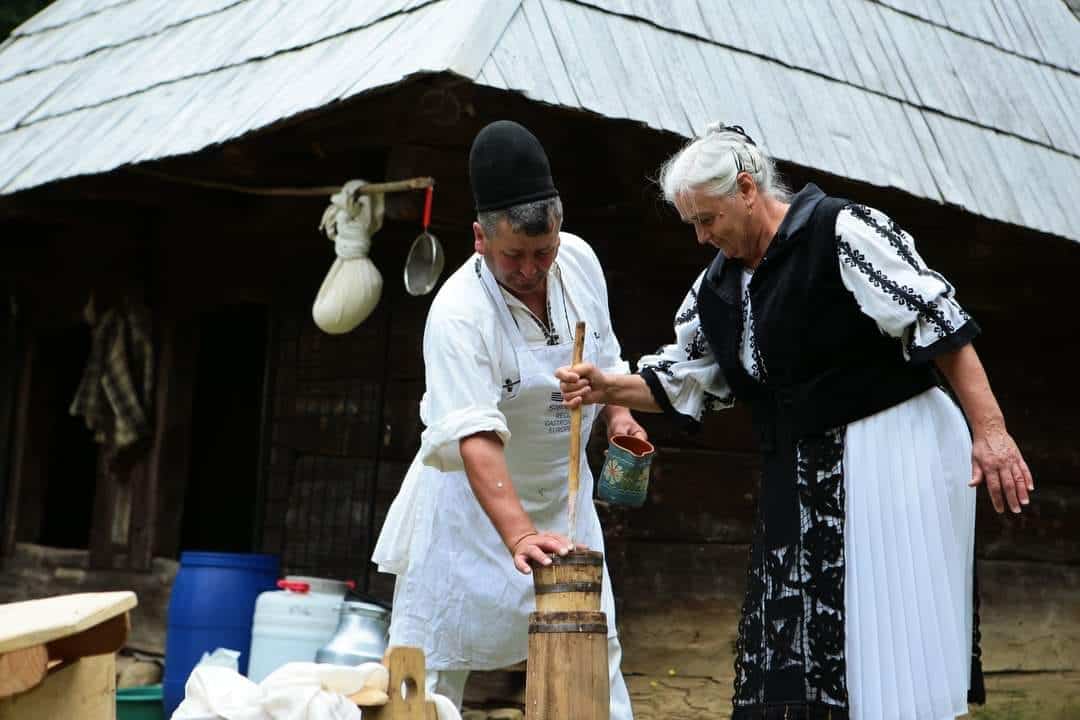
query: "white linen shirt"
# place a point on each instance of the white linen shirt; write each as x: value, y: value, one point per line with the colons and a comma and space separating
x: 469, y: 363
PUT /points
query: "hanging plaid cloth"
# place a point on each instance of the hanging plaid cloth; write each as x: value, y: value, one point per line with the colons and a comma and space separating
x: 114, y: 395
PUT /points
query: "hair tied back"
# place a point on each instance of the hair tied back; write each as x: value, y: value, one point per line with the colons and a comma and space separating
x: 719, y: 127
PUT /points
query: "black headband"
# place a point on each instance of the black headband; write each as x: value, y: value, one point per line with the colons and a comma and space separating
x: 737, y: 129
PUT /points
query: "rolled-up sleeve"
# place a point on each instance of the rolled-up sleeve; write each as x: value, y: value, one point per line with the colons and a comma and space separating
x: 683, y: 376
x: 462, y: 392
x: 894, y: 286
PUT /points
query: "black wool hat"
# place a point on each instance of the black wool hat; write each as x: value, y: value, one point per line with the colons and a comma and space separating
x: 508, y: 166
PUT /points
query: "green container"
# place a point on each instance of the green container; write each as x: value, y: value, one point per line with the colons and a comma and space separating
x: 140, y: 703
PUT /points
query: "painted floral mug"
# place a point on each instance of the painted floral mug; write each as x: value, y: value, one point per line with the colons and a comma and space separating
x: 625, y: 477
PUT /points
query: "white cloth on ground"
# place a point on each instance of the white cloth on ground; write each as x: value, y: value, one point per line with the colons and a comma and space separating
x: 295, y: 691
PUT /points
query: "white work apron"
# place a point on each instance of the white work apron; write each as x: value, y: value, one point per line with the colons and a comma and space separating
x: 460, y: 596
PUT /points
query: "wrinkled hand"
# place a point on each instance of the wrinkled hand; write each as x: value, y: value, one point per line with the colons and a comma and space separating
x: 582, y: 383
x: 996, y: 460
x: 535, y: 547
x: 625, y: 424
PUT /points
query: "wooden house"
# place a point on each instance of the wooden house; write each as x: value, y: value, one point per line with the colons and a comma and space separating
x: 142, y: 147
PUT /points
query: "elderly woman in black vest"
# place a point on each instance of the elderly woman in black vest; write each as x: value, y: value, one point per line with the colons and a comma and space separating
x: 819, y: 313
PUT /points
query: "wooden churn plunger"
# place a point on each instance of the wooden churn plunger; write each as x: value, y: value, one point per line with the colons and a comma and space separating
x: 567, y: 677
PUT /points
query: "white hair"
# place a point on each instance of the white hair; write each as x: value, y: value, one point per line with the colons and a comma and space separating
x: 713, y: 162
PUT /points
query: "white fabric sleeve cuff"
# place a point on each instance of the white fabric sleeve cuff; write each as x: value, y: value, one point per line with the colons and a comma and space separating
x: 439, y: 446
x: 686, y: 392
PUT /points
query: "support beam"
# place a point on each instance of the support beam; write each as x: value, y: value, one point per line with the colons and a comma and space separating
x: 19, y: 456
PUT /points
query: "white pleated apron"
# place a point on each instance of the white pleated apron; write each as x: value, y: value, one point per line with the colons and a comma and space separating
x: 458, y: 594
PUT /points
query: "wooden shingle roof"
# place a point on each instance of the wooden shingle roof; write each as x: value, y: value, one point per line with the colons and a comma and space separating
x: 969, y: 102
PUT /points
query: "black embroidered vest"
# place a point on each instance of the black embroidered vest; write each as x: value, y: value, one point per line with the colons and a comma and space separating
x: 827, y: 364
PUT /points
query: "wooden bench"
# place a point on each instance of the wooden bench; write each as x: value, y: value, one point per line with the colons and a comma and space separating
x: 58, y: 655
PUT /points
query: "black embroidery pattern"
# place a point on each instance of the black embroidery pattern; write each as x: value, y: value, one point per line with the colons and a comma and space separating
x: 757, y: 363
x: 712, y: 402
x: 550, y: 333
x: 698, y: 347
x: 689, y: 313
x: 821, y: 500
x: 811, y: 571
x: 749, y: 663
x: 662, y: 366
x: 900, y: 294
x: 783, y: 643
x: 766, y: 644
x: 894, y: 235
x: 783, y: 571
x: 476, y: 266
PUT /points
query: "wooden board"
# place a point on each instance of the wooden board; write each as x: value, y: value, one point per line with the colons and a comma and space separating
x: 34, y: 622
x: 22, y: 669
x: 84, y: 689
x: 105, y: 637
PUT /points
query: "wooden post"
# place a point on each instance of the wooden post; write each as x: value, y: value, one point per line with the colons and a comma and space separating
x: 19, y: 456
x: 101, y: 549
x: 11, y: 357
x: 145, y: 475
x: 173, y: 428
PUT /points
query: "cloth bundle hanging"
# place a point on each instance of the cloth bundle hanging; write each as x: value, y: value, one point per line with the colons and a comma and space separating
x: 114, y: 396
x: 353, y: 286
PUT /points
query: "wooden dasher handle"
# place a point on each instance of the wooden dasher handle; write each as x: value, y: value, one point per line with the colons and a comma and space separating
x: 575, y: 435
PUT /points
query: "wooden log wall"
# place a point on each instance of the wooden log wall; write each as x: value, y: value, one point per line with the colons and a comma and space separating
x: 344, y: 424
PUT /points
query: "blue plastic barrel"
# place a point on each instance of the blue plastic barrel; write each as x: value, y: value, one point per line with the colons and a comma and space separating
x: 212, y: 605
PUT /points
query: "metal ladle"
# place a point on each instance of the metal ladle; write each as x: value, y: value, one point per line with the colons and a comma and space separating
x: 426, y: 258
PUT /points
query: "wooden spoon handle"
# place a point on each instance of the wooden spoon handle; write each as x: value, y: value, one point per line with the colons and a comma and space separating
x: 575, y: 434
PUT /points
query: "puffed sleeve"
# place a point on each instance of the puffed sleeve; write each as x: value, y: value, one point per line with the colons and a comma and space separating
x: 683, y: 376
x: 893, y: 285
x: 462, y: 392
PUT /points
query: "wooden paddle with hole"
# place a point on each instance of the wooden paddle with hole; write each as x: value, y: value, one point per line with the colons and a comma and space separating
x: 406, y: 696
x: 575, y: 435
